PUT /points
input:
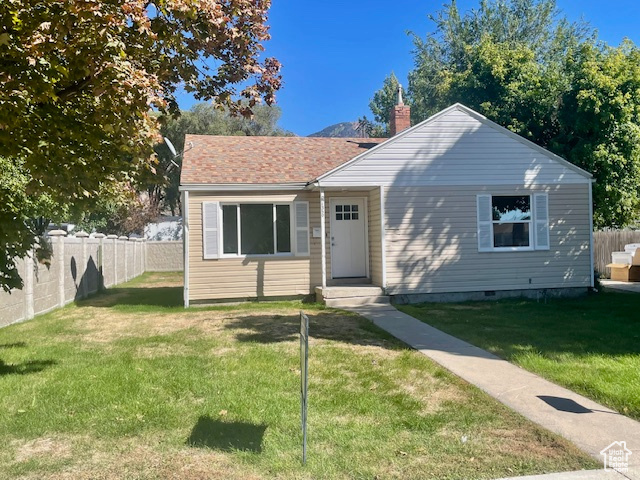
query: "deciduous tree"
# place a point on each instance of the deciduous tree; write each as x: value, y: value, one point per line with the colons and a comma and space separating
x: 381, y: 104
x: 79, y: 78
x: 119, y: 209
x: 23, y: 218
x: 524, y: 66
x: 600, y: 128
x: 534, y: 29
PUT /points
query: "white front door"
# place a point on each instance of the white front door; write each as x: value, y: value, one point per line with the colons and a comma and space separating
x: 348, y: 238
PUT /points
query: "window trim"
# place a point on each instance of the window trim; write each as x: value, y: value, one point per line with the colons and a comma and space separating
x: 533, y: 223
x: 275, y: 238
x: 531, y: 245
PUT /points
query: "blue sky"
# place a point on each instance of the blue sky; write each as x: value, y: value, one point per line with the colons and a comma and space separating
x: 336, y: 54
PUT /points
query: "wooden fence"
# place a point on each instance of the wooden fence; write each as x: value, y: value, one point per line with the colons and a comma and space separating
x: 606, y: 242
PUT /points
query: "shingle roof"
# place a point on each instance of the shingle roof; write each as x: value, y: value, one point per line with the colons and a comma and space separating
x: 266, y: 160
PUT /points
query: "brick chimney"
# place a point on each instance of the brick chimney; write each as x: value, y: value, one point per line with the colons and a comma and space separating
x: 400, y: 118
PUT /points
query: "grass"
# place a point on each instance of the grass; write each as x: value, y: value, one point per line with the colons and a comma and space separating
x: 590, y: 345
x: 127, y: 384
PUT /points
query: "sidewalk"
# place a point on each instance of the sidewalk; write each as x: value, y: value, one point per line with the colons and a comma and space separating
x: 590, y: 426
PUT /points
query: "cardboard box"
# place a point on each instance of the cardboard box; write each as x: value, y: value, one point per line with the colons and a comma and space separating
x: 624, y: 273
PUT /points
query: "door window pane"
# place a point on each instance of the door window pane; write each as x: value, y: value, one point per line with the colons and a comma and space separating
x: 229, y: 229
x: 256, y: 229
x: 283, y: 228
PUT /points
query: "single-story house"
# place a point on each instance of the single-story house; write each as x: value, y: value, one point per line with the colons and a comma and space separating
x: 456, y: 207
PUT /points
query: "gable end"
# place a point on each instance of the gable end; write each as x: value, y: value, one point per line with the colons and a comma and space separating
x: 455, y: 146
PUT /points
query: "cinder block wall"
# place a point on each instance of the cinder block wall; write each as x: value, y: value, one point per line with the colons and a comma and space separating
x: 12, y: 306
x: 79, y: 267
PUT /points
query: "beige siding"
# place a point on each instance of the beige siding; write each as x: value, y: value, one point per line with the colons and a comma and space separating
x: 249, y: 277
x: 455, y: 149
x: 374, y: 259
x: 432, y: 242
x: 375, y: 237
x: 253, y: 277
x: 315, y: 244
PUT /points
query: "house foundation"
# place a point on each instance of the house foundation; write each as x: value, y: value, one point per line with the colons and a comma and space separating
x: 540, y: 294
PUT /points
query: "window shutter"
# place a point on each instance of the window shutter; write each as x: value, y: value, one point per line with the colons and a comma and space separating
x: 210, y: 242
x: 485, y: 240
x: 301, y: 212
x: 541, y: 212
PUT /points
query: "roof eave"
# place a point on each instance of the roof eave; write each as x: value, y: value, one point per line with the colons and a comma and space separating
x: 230, y: 187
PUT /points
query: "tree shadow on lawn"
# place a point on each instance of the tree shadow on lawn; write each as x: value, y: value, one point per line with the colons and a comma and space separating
x: 12, y: 345
x: 226, y: 436
x: 327, y: 325
x: 136, y: 296
x: 33, y: 366
x: 257, y: 327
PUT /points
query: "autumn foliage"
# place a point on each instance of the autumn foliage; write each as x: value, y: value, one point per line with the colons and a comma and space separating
x: 79, y: 77
x: 79, y: 80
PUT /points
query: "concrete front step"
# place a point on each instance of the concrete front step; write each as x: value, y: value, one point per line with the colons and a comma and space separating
x: 351, y: 296
x: 345, y: 291
x: 356, y: 301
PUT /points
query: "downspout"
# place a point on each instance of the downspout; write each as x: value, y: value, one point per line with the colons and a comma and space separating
x: 383, y: 246
x: 185, y: 244
x: 323, y: 240
x: 591, y: 273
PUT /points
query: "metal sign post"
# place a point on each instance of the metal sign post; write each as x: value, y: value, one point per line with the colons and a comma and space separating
x: 304, y: 379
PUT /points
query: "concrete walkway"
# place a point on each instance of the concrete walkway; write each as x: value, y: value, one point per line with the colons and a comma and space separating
x: 590, y: 426
x: 579, y: 475
x: 622, y: 286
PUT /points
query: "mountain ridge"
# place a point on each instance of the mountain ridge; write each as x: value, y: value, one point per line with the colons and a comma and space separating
x: 339, y: 130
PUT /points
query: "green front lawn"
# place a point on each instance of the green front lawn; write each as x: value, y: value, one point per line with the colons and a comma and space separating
x: 129, y: 385
x: 590, y: 345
